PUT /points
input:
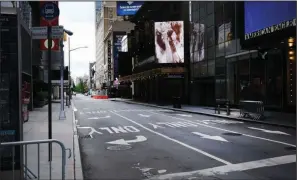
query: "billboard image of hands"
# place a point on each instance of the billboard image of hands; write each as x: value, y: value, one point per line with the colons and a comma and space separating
x: 169, y: 41
x: 197, y: 42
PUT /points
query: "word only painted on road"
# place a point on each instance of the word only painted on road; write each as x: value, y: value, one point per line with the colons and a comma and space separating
x: 119, y: 129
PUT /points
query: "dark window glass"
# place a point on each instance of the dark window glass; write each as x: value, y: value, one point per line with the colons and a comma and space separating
x: 220, y: 87
x: 210, y: 20
x: 219, y: 21
x: 211, y: 52
x: 220, y: 66
x: 210, y: 6
x: 202, y: 11
x: 210, y: 36
x: 210, y: 66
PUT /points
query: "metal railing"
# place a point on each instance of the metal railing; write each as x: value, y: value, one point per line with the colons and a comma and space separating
x: 35, y: 173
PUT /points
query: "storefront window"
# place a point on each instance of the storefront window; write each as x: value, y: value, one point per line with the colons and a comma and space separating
x: 231, y: 79
x: 257, y: 82
x: 220, y: 66
x: 210, y: 36
x: 220, y: 87
x: 211, y: 67
x: 243, y: 79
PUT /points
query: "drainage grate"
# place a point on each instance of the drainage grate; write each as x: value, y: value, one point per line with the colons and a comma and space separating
x: 231, y: 134
x: 119, y: 147
x: 290, y: 148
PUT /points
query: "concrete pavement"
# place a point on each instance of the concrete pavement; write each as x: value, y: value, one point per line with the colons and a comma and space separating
x: 37, y: 129
x: 128, y: 141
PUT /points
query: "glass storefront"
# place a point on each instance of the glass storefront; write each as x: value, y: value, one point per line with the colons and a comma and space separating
x: 267, y: 75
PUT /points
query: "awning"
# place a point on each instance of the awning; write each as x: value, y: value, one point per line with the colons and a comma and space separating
x: 153, y: 73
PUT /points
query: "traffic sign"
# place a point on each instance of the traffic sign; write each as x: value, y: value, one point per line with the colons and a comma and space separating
x: 41, y: 32
x: 49, y: 11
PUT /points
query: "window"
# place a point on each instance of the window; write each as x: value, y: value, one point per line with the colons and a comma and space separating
x: 211, y: 52
x: 220, y: 88
x: 211, y: 67
x: 220, y: 66
x: 210, y: 6
x: 210, y: 36
x: 202, y: 10
x: 210, y: 20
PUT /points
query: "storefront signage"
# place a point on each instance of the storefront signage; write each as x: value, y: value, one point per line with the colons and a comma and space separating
x: 271, y: 29
x: 117, y: 45
x: 109, y: 60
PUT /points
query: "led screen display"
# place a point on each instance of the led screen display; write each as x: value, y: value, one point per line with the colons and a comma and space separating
x: 169, y: 41
x: 128, y: 8
x: 267, y: 17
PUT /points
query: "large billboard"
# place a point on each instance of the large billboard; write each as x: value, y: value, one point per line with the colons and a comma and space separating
x: 117, y: 46
x: 169, y: 41
x: 197, y: 42
x: 128, y: 8
x: 262, y: 17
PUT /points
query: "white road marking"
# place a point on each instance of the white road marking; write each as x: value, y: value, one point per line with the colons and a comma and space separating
x: 221, y: 170
x: 205, y: 136
x: 174, y: 140
x: 155, y: 126
x: 104, y: 117
x: 220, y: 121
x: 221, y: 129
x: 184, y: 115
x: 144, y: 115
x: 74, y: 109
x: 81, y: 113
x: 161, y: 171
x: 92, y: 130
x: 270, y: 131
x: 128, y: 142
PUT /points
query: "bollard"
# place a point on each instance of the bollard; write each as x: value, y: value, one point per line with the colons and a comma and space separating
x: 219, y: 112
x: 228, y: 108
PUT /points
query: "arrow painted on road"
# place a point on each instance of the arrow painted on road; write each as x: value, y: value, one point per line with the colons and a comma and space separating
x: 269, y: 131
x: 217, y: 138
x: 143, y: 115
x: 126, y: 142
x: 184, y: 115
x: 99, y: 117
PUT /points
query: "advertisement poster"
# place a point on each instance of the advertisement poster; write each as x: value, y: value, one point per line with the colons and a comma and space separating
x: 128, y: 8
x: 109, y: 60
x: 117, y: 46
x: 169, y: 41
x: 260, y: 18
x: 224, y: 35
x: 197, y: 42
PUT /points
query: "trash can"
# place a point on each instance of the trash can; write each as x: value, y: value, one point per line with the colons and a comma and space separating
x: 176, y: 102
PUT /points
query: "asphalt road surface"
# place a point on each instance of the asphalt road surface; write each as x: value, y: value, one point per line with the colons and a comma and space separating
x: 127, y: 141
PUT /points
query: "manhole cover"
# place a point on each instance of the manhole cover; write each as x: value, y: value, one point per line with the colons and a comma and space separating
x: 231, y: 134
x: 85, y: 137
x: 290, y: 148
x: 118, y: 148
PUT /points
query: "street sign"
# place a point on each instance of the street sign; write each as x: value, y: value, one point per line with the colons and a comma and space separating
x: 49, y: 11
x: 41, y: 32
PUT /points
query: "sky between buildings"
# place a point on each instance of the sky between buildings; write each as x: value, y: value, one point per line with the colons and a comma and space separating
x: 79, y: 17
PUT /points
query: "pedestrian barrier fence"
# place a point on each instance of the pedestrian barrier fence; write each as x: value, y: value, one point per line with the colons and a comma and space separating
x: 252, y: 109
x: 36, y: 162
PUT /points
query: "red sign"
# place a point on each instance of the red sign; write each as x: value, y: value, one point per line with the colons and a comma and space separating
x: 54, y: 22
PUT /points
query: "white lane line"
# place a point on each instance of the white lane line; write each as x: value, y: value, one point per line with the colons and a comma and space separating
x: 256, y: 137
x: 222, y: 170
x: 174, y: 140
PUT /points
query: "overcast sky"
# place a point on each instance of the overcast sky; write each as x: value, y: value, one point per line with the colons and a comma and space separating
x: 79, y: 17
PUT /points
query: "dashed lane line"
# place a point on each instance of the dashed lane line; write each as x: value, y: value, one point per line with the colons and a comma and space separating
x: 174, y: 140
x: 221, y: 129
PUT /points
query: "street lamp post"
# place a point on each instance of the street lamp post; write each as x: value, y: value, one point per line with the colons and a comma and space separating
x: 69, y: 77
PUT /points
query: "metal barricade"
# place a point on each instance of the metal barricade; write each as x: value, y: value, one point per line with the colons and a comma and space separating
x: 252, y: 109
x: 26, y: 168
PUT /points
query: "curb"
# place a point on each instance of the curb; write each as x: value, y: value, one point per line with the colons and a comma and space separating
x: 78, y: 173
x: 207, y: 114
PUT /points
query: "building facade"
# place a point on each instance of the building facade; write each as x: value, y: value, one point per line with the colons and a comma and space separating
x: 227, y: 63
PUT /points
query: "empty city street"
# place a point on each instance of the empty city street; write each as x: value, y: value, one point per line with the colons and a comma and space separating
x: 128, y: 141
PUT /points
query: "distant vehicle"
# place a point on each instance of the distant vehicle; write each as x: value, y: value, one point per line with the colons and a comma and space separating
x: 49, y: 9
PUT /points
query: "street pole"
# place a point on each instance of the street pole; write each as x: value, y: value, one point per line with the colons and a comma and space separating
x: 69, y: 80
x: 49, y: 79
x: 62, y: 112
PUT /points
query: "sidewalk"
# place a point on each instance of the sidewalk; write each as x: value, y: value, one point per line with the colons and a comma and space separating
x: 37, y: 129
x: 271, y: 118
